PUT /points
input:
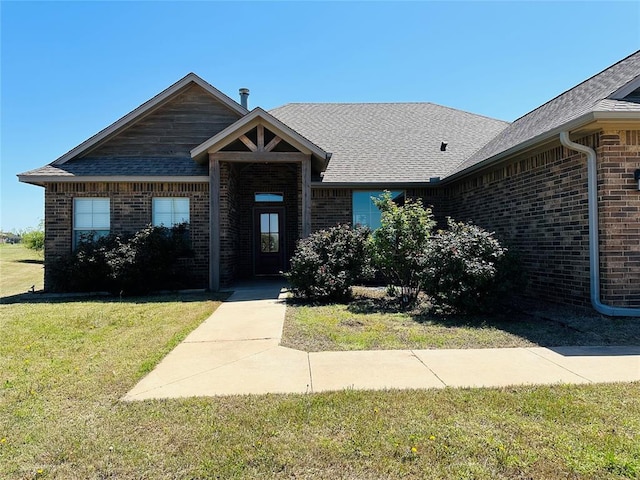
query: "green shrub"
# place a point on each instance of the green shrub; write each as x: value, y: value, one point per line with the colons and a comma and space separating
x: 462, y: 270
x: 127, y: 265
x: 398, y: 246
x: 33, y: 239
x: 326, y: 264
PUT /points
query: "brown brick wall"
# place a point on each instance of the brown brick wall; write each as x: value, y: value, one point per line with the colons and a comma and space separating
x: 230, y: 218
x: 537, y: 205
x: 130, y: 211
x: 619, y: 215
x: 333, y: 206
x: 237, y: 219
x: 330, y: 207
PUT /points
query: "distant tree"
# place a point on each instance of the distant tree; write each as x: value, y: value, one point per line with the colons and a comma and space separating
x: 33, y: 238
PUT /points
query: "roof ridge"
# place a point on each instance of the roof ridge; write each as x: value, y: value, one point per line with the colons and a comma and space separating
x: 393, y: 103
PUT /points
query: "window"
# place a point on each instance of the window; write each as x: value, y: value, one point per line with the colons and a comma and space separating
x: 364, y: 210
x: 91, y: 215
x: 269, y: 197
x: 269, y: 233
x: 170, y: 211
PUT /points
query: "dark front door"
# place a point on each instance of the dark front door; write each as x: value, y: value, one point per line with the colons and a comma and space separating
x: 268, y: 227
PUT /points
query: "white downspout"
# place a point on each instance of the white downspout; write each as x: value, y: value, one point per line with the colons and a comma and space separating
x: 594, y: 243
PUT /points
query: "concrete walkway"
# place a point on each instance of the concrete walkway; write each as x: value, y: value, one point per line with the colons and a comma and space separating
x: 236, y: 351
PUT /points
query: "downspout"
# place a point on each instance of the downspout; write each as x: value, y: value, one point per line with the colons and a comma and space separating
x: 594, y: 243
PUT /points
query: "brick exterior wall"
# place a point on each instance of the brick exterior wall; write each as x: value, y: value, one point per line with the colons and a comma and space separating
x: 237, y: 211
x: 130, y: 210
x: 537, y: 204
x: 618, y: 157
x: 230, y: 218
x: 329, y: 207
x: 333, y: 206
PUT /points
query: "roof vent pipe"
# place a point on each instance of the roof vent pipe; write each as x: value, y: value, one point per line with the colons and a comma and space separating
x: 594, y: 242
x: 244, y: 97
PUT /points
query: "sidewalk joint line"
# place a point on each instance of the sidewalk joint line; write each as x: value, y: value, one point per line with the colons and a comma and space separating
x: 310, y: 373
x: 428, y: 368
x: 557, y: 364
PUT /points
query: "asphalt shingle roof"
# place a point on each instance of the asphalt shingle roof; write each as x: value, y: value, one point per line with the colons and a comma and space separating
x: 154, y: 166
x: 589, y: 96
x: 389, y: 142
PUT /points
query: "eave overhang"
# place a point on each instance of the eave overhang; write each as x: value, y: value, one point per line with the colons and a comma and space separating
x: 580, y: 124
x: 376, y: 185
x: 41, y: 180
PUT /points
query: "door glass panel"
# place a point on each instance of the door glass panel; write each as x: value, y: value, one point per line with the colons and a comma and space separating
x: 269, y: 234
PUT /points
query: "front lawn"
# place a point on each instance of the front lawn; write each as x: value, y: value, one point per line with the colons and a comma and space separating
x: 370, y: 323
x: 20, y: 269
x: 65, y: 366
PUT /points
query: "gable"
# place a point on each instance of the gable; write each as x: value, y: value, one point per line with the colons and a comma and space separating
x: 171, y: 130
x: 280, y: 139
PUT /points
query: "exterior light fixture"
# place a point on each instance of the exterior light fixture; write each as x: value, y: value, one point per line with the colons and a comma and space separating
x: 636, y: 176
x: 443, y: 146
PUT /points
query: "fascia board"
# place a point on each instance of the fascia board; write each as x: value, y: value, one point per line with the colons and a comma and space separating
x: 377, y: 185
x: 42, y: 179
x: 145, y: 109
x: 625, y: 90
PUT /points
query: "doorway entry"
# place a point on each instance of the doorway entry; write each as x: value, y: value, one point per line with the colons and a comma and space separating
x: 268, y: 240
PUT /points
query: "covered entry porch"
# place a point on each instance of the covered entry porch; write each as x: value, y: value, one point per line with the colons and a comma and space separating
x: 260, y: 196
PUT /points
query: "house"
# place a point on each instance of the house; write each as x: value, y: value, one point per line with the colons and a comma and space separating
x: 559, y: 185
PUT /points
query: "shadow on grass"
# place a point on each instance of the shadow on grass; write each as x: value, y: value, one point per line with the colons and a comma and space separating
x: 30, y: 261
x: 542, y: 323
x: 39, y: 297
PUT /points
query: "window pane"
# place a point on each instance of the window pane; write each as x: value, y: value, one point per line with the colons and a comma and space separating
x: 364, y: 210
x: 91, y: 214
x: 269, y: 197
x: 170, y: 211
x: 264, y: 223
x: 274, y: 237
x: 273, y: 220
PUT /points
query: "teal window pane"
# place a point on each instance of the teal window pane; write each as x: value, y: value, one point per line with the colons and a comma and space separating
x: 365, y: 212
x: 269, y: 197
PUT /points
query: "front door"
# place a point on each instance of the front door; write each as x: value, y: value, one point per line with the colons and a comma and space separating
x: 268, y: 240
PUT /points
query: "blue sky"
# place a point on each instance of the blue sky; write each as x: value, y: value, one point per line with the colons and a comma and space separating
x: 69, y: 69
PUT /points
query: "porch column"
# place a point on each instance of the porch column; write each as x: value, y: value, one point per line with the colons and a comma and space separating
x: 214, y: 224
x: 306, y: 196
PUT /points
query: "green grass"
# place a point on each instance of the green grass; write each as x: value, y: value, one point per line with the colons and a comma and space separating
x: 371, y: 323
x: 20, y: 268
x: 65, y: 365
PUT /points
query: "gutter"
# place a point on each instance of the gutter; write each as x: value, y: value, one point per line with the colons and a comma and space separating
x: 594, y: 243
